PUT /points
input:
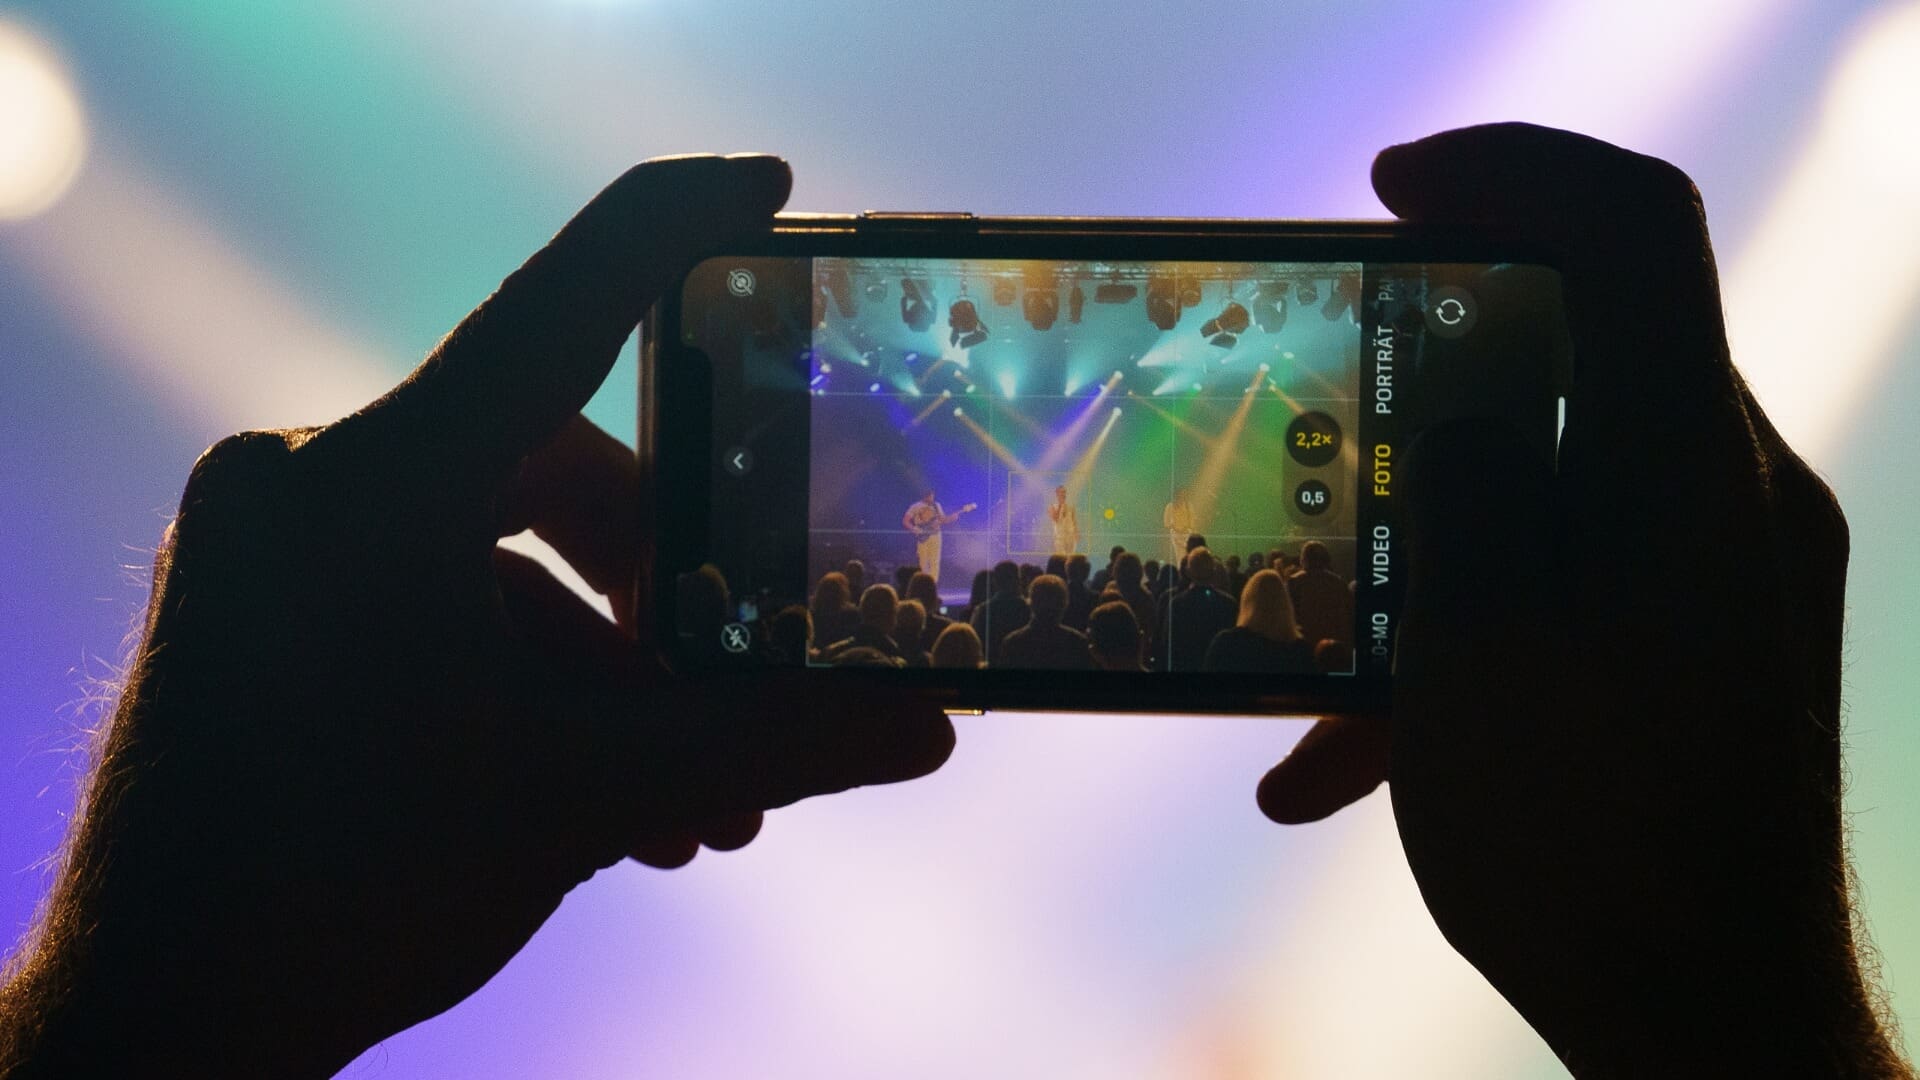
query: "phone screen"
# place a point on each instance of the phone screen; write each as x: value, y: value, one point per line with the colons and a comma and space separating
x: 1078, y: 464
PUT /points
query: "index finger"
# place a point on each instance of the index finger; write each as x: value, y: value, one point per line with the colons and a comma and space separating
x: 532, y: 354
x: 1655, y: 416
x: 1643, y: 296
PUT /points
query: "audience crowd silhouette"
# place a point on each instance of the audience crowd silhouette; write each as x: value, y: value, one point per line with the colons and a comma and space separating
x: 1271, y: 613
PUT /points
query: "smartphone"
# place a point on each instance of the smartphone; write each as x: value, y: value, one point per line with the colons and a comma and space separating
x: 1115, y: 464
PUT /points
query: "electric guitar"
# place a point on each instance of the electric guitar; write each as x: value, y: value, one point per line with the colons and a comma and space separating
x: 925, y: 521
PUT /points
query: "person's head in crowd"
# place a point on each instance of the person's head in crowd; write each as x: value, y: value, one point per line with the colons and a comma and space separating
x: 1057, y: 565
x: 1267, y: 608
x: 856, y: 572
x: 878, y: 605
x: 1048, y: 595
x: 1314, y: 556
x: 1028, y: 572
x: 922, y: 587
x: 1233, y: 565
x: 1195, y: 540
x: 1168, y: 580
x: 1113, y: 637
x: 1006, y: 578
x: 902, y: 576
x: 700, y: 600
x: 1332, y: 656
x: 1256, y: 561
x: 1150, y: 573
x: 832, y: 594
x: 909, y: 622
x: 790, y: 633
x: 1202, y: 568
x: 1078, y: 567
x: 1114, y: 553
x: 865, y: 656
x: 1127, y: 570
x: 957, y: 647
x: 1276, y: 559
x: 982, y: 588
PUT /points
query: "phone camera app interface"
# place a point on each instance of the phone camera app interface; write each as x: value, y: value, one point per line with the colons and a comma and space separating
x: 1060, y: 465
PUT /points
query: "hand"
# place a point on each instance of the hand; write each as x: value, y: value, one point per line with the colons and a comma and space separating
x: 363, y: 752
x: 1614, y: 750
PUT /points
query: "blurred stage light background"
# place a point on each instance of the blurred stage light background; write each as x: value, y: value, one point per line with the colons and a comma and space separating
x: 224, y: 214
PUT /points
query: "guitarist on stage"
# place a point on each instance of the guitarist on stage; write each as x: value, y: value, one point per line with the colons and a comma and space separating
x: 924, y: 520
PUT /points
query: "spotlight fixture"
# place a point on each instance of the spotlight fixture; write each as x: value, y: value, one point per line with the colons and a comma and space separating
x: 840, y: 287
x: 1232, y: 321
x: 1344, y: 297
x: 1270, y: 307
x: 964, y: 329
x: 1041, y: 302
x: 1076, y: 302
x: 1189, y: 292
x: 916, y: 304
x: 1163, y: 304
x: 1114, y: 293
x: 876, y: 291
x: 1003, y: 292
x: 1307, y: 293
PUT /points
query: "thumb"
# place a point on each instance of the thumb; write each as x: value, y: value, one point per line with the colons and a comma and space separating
x: 1480, y: 543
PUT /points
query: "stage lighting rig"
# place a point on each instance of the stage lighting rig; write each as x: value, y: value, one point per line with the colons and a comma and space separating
x: 1076, y: 302
x: 916, y: 304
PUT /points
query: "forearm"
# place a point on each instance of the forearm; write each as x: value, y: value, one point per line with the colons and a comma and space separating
x: 129, y: 971
x: 56, y: 1026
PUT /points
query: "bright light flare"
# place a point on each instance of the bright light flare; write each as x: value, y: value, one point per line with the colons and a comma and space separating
x: 43, y: 136
x: 1846, y: 203
x: 1874, y: 99
x: 999, y: 449
x: 1083, y: 468
x: 932, y: 407
x: 1060, y: 445
x: 1222, y: 454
